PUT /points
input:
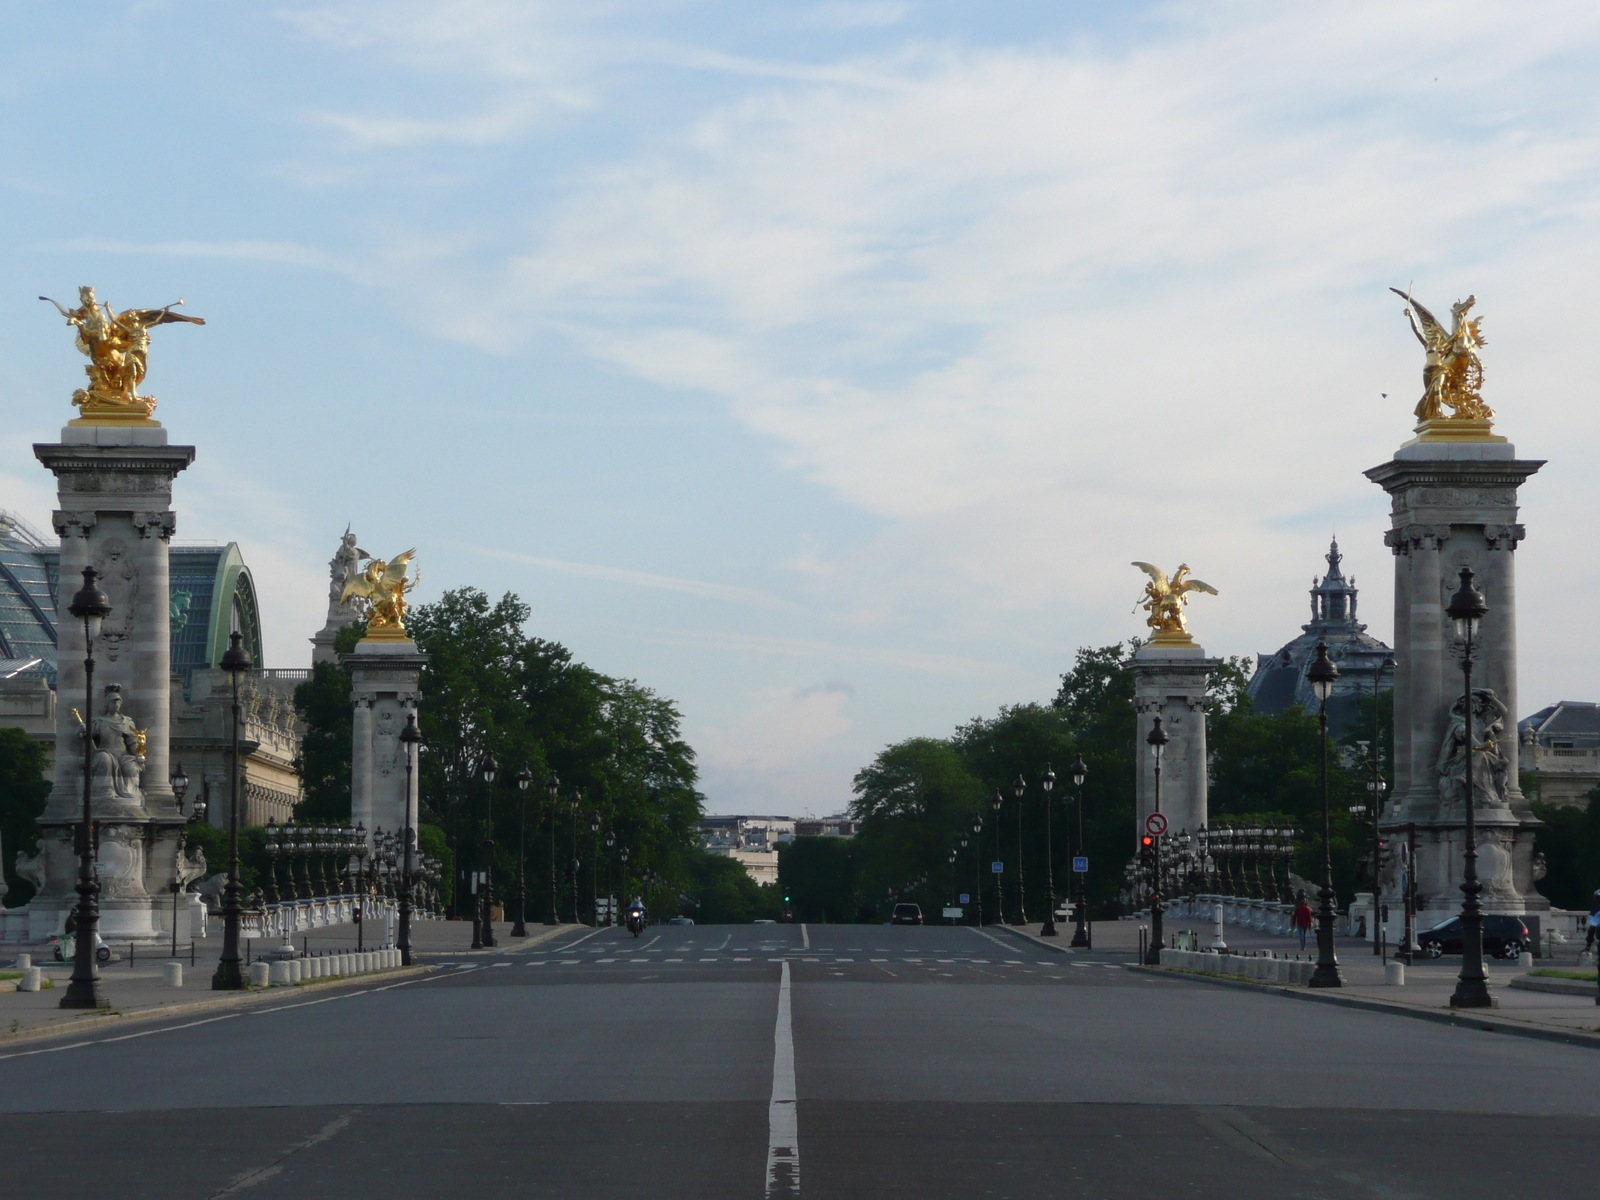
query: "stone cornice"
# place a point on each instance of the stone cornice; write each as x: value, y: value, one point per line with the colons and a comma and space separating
x: 1506, y: 473
x: 72, y: 459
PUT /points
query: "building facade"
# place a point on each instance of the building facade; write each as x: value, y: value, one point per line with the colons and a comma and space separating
x: 1561, y: 752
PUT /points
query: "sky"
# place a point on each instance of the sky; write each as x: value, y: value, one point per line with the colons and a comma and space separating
x: 819, y: 364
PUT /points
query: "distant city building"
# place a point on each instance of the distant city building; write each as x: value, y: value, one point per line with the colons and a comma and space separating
x: 212, y: 594
x: 1364, y: 662
x: 838, y: 825
x: 751, y: 841
x: 1561, y: 750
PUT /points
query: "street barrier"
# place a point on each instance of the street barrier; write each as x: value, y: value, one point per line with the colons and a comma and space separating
x: 1265, y: 968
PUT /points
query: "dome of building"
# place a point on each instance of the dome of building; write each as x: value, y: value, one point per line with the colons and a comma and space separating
x: 1364, y: 662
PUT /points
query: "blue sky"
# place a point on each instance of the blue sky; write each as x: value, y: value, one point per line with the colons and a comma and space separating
x: 821, y: 365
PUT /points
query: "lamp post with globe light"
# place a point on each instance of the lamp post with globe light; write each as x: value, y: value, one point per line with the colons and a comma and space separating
x: 89, y: 605
x: 229, y: 975
x: 489, y: 769
x: 1047, y: 782
x: 1322, y: 674
x: 1080, y: 935
x: 524, y: 778
x: 1466, y: 609
x: 1157, y: 741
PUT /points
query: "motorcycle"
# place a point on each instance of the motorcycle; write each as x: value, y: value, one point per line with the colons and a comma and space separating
x: 636, y: 921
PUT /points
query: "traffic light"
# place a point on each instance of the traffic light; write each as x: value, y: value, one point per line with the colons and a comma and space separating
x: 1147, y: 846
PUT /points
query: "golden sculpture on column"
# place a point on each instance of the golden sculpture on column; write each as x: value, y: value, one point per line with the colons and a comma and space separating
x: 383, y: 586
x: 1164, y: 600
x: 118, y: 349
x: 1452, y: 374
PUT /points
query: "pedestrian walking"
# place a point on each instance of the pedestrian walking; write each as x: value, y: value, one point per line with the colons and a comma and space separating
x: 1302, y: 918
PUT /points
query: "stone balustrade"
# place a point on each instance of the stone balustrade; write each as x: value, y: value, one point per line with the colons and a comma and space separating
x: 1265, y: 968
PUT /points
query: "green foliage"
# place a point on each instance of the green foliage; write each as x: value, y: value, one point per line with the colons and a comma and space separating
x: 615, y: 747
x: 23, y: 792
x: 721, y: 892
x: 818, y: 875
x: 1569, y: 839
x: 432, y: 842
x: 323, y: 703
x: 252, y: 853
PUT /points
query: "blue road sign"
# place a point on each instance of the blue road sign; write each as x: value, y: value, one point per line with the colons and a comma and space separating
x: 965, y: 898
x: 1080, y: 864
x: 997, y: 868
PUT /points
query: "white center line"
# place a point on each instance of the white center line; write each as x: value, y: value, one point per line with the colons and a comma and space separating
x: 805, y: 937
x: 783, y: 1124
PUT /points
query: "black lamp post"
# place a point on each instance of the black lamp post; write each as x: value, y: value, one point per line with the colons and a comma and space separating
x: 1018, y: 789
x: 524, y: 778
x: 1080, y: 935
x: 977, y: 868
x: 576, y: 800
x: 488, y: 770
x: 180, y: 784
x: 553, y: 786
x: 1322, y: 674
x: 90, y: 606
x: 1047, y: 781
x: 623, y: 890
x: 1157, y: 741
x: 410, y: 737
x: 594, y: 867
x: 1467, y: 608
x: 1000, y: 875
x: 229, y: 975
x: 611, y: 909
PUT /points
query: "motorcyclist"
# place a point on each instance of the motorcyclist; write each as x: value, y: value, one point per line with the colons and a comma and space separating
x: 636, y: 916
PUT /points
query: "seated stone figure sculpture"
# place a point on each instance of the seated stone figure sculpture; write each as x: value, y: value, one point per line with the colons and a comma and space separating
x: 117, y: 764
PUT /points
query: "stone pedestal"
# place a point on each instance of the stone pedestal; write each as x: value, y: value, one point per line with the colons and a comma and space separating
x: 115, y: 488
x: 383, y: 677
x: 1454, y: 505
x: 1170, y: 681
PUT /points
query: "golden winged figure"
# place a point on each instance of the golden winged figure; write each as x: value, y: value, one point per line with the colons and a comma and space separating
x: 1452, y: 373
x: 117, y: 345
x: 1164, y: 600
x: 383, y: 585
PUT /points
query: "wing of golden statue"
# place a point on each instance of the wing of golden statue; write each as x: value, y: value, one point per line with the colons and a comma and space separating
x: 364, y: 585
x: 394, y: 574
x: 1432, y: 333
x: 1194, y: 585
x: 1156, y: 574
x: 151, y: 317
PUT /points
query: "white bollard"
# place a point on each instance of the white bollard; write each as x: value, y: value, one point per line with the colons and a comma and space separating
x: 279, y: 972
x: 344, y: 964
x: 172, y: 974
x: 1217, y: 942
x: 1394, y: 974
x: 31, y: 980
x: 260, y: 974
x: 1525, y: 960
x: 24, y: 961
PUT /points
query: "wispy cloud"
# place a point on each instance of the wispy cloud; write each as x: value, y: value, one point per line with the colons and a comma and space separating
x: 624, y: 575
x: 824, y: 652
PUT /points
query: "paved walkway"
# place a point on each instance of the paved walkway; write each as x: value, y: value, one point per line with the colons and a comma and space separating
x: 136, y: 987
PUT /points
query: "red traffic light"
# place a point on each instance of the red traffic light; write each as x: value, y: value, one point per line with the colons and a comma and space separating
x: 1147, y: 841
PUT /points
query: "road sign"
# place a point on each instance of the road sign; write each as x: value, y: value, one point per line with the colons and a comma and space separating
x: 997, y: 868
x: 1080, y: 864
x: 966, y: 898
x: 954, y: 914
x: 1156, y: 823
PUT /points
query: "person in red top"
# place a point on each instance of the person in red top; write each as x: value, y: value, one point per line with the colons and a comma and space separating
x: 1302, y: 919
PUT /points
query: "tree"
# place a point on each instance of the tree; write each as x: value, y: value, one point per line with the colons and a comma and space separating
x: 721, y: 892
x: 323, y: 704
x: 23, y: 792
x: 817, y: 879
x: 1569, y: 839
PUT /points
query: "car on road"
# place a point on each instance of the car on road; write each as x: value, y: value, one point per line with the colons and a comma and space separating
x: 763, y: 921
x: 906, y: 914
x: 1504, y: 937
x: 681, y: 921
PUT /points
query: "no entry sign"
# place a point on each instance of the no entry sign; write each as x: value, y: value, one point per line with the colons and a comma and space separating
x: 1155, y: 823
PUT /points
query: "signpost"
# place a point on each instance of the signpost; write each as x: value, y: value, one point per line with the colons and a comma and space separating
x: 997, y: 868
x: 1080, y: 864
x: 966, y: 898
x: 1156, y: 824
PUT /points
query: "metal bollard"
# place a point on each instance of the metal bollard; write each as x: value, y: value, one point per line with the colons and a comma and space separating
x: 172, y: 974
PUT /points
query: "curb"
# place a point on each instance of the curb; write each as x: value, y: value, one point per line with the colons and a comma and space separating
x: 1555, y: 984
x: 94, y: 1022
x: 1444, y: 1017
x: 1033, y: 940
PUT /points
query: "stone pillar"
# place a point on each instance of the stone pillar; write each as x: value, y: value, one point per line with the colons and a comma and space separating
x: 1170, y: 681
x: 115, y: 489
x: 383, y: 679
x: 1454, y: 505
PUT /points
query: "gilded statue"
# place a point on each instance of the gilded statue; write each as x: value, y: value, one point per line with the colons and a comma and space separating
x: 118, y: 349
x: 383, y: 585
x: 1452, y: 373
x: 1165, y: 598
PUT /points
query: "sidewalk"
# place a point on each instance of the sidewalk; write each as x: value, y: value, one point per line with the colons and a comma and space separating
x: 136, y: 990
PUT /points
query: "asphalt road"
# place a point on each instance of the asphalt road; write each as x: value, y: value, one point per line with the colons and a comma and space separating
x: 925, y: 1062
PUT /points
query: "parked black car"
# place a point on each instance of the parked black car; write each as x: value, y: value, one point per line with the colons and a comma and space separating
x: 906, y: 914
x: 1504, y: 937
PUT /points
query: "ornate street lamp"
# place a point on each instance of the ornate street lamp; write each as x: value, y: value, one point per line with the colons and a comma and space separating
x: 1467, y: 609
x: 410, y: 738
x: 524, y: 778
x: 269, y: 844
x: 594, y: 866
x: 611, y: 909
x: 977, y: 868
x: 553, y: 787
x: 1000, y: 875
x: 1157, y: 741
x: 1322, y: 674
x: 488, y: 769
x: 575, y: 800
x: 1080, y: 935
x: 180, y: 784
x: 89, y: 605
x: 1018, y: 789
x: 229, y: 976
x: 623, y: 890
x: 1047, y: 782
